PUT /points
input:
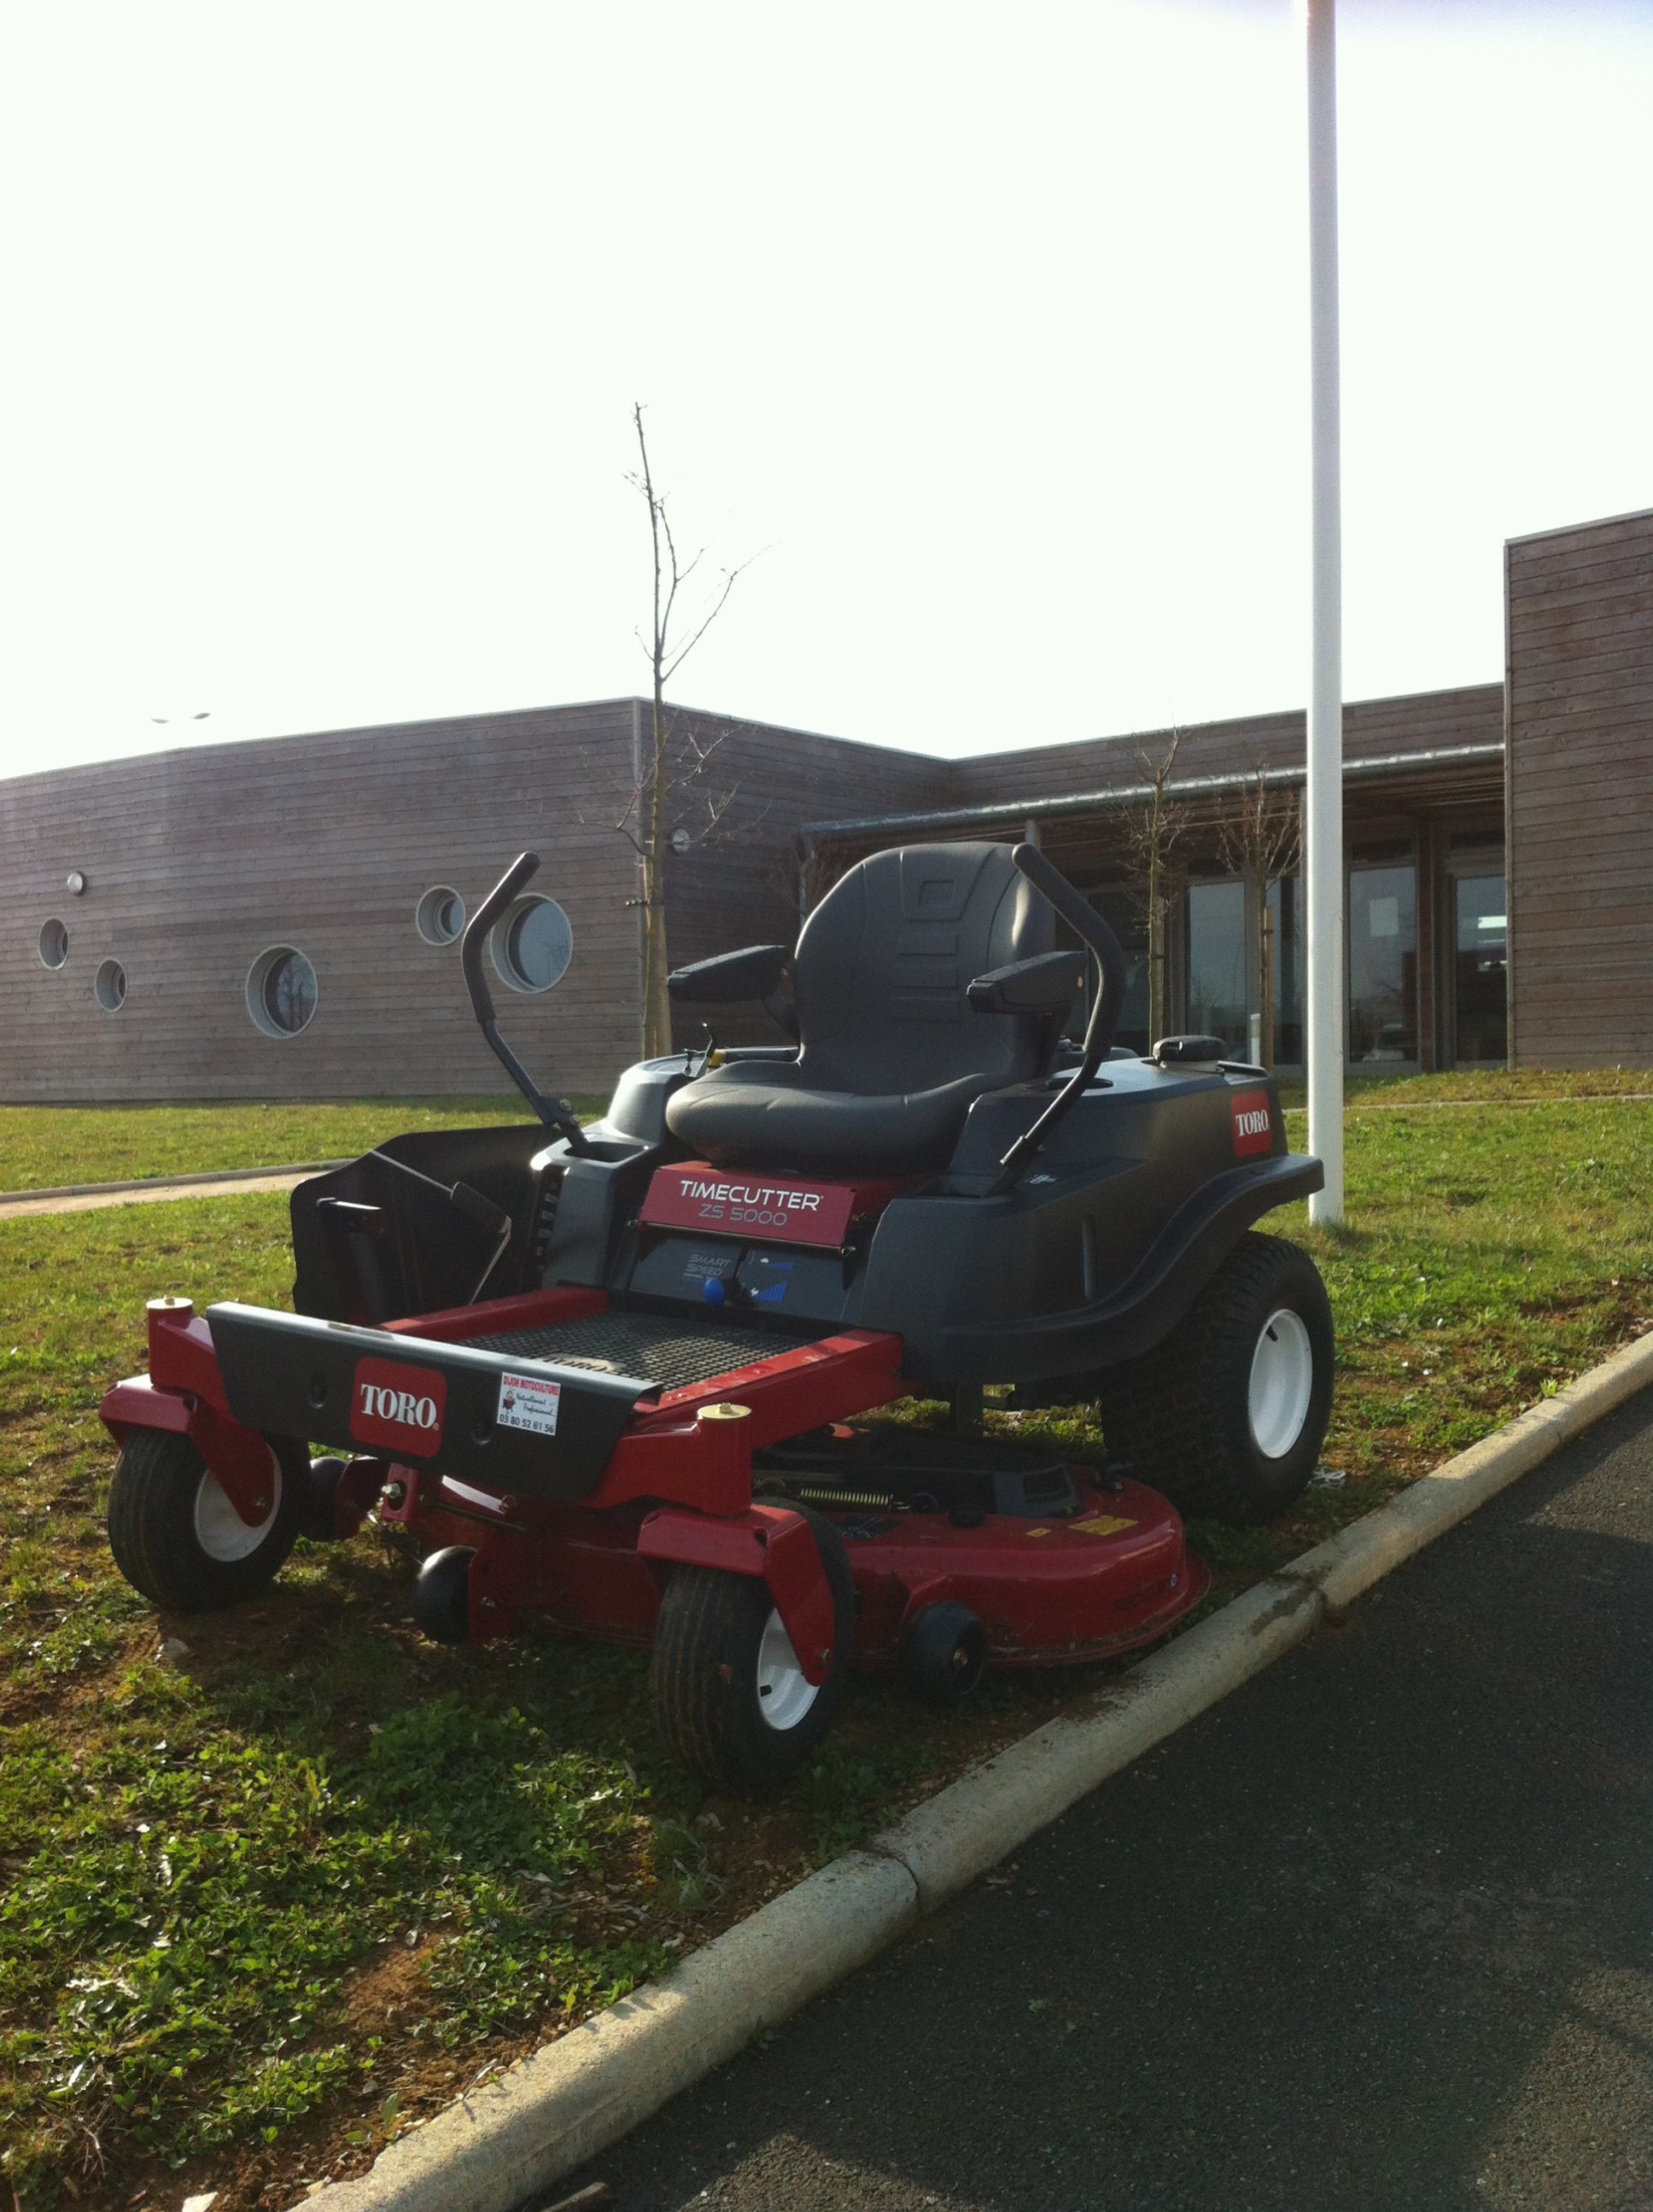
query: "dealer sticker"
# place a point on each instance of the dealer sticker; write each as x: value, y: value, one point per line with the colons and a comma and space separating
x: 528, y: 1401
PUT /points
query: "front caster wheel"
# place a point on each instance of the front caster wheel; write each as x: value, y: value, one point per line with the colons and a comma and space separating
x: 1227, y: 1416
x: 441, y: 1595
x: 175, y: 1535
x: 317, y: 1490
x: 944, y: 1652
x: 732, y: 1703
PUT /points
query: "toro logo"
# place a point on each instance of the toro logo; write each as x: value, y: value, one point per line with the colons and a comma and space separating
x: 1253, y: 1131
x: 394, y: 1405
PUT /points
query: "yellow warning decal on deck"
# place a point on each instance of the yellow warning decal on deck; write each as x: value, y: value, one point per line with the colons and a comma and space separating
x: 1105, y: 1524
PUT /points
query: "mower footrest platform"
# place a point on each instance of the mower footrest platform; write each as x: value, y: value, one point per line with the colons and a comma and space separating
x: 525, y: 1426
x: 668, y: 1351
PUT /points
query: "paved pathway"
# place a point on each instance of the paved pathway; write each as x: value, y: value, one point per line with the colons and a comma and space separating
x: 17, y: 1204
x: 1376, y: 1933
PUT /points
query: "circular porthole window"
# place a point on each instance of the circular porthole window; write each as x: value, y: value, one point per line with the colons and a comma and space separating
x: 53, y: 942
x: 439, y: 916
x: 281, y: 992
x: 109, y: 985
x: 533, y: 944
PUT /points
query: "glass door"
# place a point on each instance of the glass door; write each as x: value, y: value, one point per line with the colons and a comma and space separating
x: 1480, y: 964
x: 1124, y: 914
x: 1383, y: 960
x: 1122, y: 909
x: 1285, y: 910
x: 1215, y: 971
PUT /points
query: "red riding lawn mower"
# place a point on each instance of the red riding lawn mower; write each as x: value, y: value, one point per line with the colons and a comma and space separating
x: 610, y: 1377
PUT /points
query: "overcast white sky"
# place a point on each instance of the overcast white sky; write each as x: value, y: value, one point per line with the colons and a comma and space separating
x: 985, y: 326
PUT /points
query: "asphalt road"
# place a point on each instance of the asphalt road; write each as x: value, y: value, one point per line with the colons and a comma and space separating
x: 1375, y: 1932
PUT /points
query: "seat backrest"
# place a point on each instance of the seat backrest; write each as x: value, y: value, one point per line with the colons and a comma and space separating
x: 884, y: 962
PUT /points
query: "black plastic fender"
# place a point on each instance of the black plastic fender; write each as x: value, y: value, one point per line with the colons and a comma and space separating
x: 991, y: 1290
x: 1148, y: 1306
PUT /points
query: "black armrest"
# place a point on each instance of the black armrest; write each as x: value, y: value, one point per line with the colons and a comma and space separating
x: 1046, y: 984
x: 755, y: 972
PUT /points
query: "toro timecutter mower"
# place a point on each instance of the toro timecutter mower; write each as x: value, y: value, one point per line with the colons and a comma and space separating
x: 610, y: 1377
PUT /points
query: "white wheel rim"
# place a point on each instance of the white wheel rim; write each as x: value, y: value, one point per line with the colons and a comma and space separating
x: 785, y: 1693
x: 1282, y: 1383
x: 219, y: 1528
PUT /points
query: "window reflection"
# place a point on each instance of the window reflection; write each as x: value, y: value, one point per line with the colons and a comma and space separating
x: 1480, y: 958
x: 1382, y: 964
x: 533, y: 944
x: 1286, y: 960
x: 1124, y: 915
x: 1217, y: 965
x: 289, y: 993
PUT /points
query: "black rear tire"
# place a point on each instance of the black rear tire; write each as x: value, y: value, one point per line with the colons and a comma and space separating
x: 177, y: 1538
x: 1226, y: 1417
x: 730, y: 1703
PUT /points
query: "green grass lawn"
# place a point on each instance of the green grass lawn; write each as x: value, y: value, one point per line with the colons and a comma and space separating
x: 46, y: 1146
x: 49, y: 1145
x: 307, y: 1877
x: 1486, y: 1086
x: 267, y: 1898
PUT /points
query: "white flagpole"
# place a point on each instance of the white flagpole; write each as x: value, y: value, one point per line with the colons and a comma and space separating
x: 1323, y: 842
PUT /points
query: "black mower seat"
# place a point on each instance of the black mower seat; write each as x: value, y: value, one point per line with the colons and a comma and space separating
x: 891, y: 1056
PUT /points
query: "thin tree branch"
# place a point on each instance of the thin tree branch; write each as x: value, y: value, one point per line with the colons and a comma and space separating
x: 729, y: 577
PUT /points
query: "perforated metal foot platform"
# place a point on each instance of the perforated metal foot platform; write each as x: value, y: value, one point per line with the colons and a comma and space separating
x: 658, y: 1348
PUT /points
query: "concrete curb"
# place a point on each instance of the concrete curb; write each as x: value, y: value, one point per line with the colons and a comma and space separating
x: 573, y: 2097
x: 142, y: 1184
x: 961, y: 1832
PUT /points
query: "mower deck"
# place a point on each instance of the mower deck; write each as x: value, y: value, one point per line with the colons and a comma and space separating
x: 1046, y: 1592
x: 707, y: 1415
x: 1103, y: 1571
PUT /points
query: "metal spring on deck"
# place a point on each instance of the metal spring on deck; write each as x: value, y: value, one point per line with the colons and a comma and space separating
x: 868, y: 1501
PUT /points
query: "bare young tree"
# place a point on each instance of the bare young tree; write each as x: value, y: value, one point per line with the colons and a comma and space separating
x: 1153, y: 833
x: 1262, y: 839
x: 798, y: 876
x: 662, y: 802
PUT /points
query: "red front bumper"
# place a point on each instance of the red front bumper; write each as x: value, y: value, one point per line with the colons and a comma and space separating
x: 676, y: 1489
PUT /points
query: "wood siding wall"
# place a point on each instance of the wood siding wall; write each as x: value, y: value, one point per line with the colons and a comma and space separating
x: 1579, y: 613
x: 1372, y: 728
x: 1423, y: 804
x: 198, y: 861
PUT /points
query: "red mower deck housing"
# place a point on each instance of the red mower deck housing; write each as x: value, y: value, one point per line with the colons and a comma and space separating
x: 676, y: 1488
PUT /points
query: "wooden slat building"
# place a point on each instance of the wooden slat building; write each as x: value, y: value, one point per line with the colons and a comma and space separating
x: 1579, y: 685
x: 196, y: 864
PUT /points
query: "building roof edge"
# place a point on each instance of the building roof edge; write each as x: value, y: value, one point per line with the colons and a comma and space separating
x: 1575, y: 529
